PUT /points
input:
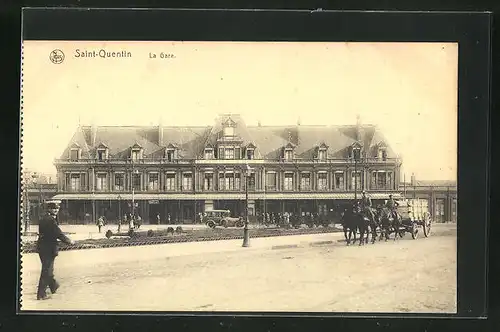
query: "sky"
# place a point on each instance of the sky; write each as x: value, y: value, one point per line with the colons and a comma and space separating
x: 409, y: 90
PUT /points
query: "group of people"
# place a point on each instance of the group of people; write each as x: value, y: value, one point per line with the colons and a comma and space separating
x: 286, y: 218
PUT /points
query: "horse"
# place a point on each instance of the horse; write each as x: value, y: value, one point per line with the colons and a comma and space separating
x: 371, y: 223
x: 348, y: 224
x: 384, y: 220
x: 363, y: 223
x: 353, y: 220
x: 388, y: 221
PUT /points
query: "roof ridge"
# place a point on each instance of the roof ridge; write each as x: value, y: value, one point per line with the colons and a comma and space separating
x: 368, y: 125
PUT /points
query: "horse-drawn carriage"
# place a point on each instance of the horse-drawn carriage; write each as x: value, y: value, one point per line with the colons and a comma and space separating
x: 414, y: 216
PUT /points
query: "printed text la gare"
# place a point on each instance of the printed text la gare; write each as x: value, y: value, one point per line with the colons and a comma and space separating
x: 162, y: 55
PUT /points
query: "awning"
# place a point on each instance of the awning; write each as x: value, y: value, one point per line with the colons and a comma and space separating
x: 223, y: 196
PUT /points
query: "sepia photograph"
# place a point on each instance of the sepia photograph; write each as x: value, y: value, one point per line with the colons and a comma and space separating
x: 239, y: 177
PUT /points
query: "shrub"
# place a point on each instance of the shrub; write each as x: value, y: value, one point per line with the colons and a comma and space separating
x: 179, y: 229
x: 151, y: 233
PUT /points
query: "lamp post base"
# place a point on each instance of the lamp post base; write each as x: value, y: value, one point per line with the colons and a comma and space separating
x: 246, y: 237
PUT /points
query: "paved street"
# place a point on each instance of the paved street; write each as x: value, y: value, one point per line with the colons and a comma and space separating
x: 403, y: 276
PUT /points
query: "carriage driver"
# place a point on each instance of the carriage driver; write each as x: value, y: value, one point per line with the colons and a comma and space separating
x: 391, y: 205
x: 366, y: 204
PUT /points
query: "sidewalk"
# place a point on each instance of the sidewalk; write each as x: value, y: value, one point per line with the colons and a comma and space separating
x: 91, y: 257
x: 84, y: 232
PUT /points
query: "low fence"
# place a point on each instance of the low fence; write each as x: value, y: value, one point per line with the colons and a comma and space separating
x: 162, y: 237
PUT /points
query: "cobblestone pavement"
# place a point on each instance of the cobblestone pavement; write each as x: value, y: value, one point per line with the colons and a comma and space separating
x: 403, y: 276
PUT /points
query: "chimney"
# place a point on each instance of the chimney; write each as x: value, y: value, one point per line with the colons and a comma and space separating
x: 259, y: 124
x: 93, y: 133
x: 358, y: 128
x: 413, y: 180
x: 160, y: 132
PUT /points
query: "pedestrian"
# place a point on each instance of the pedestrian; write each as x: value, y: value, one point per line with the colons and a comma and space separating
x: 48, y: 234
x: 158, y: 219
x: 138, y: 221
x: 100, y: 223
x: 168, y: 218
x: 131, y: 222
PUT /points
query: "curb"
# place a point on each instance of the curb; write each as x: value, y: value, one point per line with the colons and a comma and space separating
x: 285, y: 246
x: 305, y: 244
x: 320, y: 243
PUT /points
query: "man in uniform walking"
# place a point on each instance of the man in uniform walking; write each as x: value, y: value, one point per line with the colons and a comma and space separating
x: 48, y: 234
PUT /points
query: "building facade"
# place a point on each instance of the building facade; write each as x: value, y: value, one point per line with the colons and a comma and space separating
x: 36, y: 189
x: 441, y: 195
x: 178, y: 172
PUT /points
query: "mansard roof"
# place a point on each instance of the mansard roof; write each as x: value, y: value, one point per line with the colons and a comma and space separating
x: 191, y: 141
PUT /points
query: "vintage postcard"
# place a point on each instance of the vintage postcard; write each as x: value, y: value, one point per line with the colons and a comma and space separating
x: 239, y: 176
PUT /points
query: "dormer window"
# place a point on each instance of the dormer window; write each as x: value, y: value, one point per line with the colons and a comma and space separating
x: 171, y: 152
x: 228, y: 128
x: 102, y: 152
x: 250, y: 151
x: 75, y: 152
x: 250, y: 154
x: 209, y: 153
x: 382, y: 151
x: 136, y: 152
x: 288, y: 152
x: 136, y: 155
x: 355, y: 151
x: 322, y: 152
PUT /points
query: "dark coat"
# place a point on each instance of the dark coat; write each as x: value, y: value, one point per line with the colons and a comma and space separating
x: 366, y: 202
x: 48, y: 234
x: 391, y: 203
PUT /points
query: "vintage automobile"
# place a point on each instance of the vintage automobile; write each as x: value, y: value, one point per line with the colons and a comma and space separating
x: 214, y: 218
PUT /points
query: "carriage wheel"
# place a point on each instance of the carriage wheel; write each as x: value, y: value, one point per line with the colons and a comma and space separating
x: 210, y: 224
x: 427, y: 225
x: 414, y: 231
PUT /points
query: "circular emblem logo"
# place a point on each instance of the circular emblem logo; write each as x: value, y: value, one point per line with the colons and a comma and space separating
x: 56, y: 56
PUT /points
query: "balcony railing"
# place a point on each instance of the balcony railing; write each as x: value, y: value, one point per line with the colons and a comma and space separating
x: 184, y: 161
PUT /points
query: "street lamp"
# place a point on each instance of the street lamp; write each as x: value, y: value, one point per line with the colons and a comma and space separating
x: 356, y: 155
x: 34, y: 176
x: 119, y: 213
x: 246, y: 238
x: 93, y: 194
x: 134, y: 172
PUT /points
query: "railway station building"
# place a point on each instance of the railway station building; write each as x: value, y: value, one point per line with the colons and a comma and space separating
x: 440, y: 194
x: 178, y: 172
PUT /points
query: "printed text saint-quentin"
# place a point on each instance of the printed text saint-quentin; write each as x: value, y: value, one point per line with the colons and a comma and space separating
x: 102, y: 53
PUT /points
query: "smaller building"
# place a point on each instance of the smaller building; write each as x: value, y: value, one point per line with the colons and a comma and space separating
x: 37, y: 188
x: 441, y: 195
